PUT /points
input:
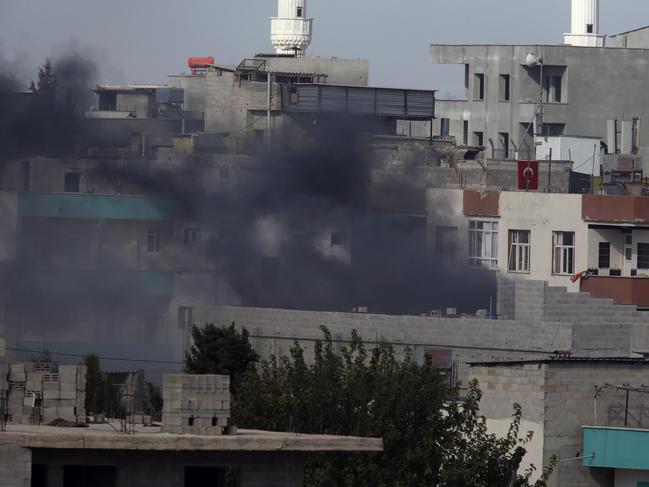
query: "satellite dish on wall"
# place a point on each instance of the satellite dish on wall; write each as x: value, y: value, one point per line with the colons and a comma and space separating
x: 531, y: 60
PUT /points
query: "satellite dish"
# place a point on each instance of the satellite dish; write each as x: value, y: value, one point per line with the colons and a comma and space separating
x: 531, y: 60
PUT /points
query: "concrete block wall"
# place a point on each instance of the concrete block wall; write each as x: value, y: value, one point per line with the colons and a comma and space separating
x: 60, y: 392
x: 196, y: 404
x: 15, y: 467
x: 273, y: 332
x: 570, y: 404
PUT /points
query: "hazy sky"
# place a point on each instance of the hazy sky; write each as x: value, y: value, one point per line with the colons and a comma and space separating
x: 144, y: 40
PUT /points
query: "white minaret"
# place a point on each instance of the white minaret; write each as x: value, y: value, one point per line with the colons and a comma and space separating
x: 585, y: 25
x: 290, y: 31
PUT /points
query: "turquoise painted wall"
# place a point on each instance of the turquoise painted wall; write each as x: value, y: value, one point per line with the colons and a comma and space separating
x: 616, y: 448
x: 99, y: 207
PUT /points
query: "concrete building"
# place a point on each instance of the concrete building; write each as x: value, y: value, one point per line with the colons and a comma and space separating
x: 99, y: 457
x: 572, y: 405
x: 503, y: 88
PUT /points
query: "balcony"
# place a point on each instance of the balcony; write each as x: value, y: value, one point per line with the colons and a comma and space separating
x: 96, y: 207
x: 623, y: 290
x: 615, y: 209
x: 618, y: 448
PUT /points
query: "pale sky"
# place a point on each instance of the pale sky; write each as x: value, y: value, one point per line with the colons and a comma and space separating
x: 142, y: 41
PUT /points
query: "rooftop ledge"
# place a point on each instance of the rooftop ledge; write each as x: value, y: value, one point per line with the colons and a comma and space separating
x: 101, y: 437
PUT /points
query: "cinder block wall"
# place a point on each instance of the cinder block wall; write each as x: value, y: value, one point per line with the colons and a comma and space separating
x: 196, y: 404
x: 61, y: 393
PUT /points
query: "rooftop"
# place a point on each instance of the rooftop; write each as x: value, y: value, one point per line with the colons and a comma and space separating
x: 563, y: 360
x: 103, y: 437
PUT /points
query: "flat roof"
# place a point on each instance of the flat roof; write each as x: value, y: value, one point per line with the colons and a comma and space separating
x: 562, y: 360
x: 103, y: 437
x: 129, y: 87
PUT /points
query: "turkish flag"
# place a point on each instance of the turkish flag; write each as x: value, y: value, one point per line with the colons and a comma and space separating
x: 528, y: 175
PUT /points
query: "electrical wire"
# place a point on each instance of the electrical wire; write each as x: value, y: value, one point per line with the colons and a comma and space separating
x: 119, y: 359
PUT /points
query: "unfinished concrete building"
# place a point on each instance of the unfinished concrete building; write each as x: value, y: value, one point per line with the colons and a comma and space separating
x: 582, y: 85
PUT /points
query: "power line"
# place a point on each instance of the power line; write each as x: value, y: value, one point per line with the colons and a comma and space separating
x: 119, y: 359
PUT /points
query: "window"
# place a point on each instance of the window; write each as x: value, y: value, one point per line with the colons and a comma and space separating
x: 465, y: 132
x: 299, y: 11
x: 478, y: 139
x: 483, y: 243
x: 446, y: 243
x: 552, y: 88
x: 628, y: 247
x: 503, y: 90
x: 478, y: 86
x: 643, y: 256
x: 192, y: 236
x: 185, y: 319
x: 25, y: 175
x: 564, y: 253
x: 337, y: 239
x: 72, y: 180
x: 205, y: 476
x: 589, y: 28
x: 153, y: 241
x: 89, y: 476
x: 503, y: 138
x: 519, y: 251
x: 445, y: 127
x: 604, y: 255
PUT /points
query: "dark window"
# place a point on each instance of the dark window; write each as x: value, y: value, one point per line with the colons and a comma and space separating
x: 299, y: 11
x: 465, y: 132
x: 108, y: 102
x: 553, y: 89
x: 192, y: 236
x: 446, y: 243
x: 478, y: 139
x: 445, y: 127
x: 479, y: 86
x: 153, y: 241
x: 643, y: 256
x: 39, y: 475
x: 25, y: 175
x: 604, y: 255
x: 205, y: 476
x: 504, y: 144
x: 184, y: 318
x: 589, y: 28
x: 72, y: 180
x: 504, y: 87
x: 337, y: 239
x: 88, y: 476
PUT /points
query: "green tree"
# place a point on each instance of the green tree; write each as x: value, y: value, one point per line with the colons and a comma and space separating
x: 220, y: 350
x: 430, y: 439
x: 46, y: 84
x: 152, y: 402
x: 102, y: 396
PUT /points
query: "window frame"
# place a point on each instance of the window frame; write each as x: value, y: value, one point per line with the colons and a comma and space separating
x: 481, y: 241
x: 599, y: 255
x: 519, y: 252
x: 153, y: 241
x: 644, y: 254
x: 565, y: 252
x: 504, y: 87
x: 479, y: 87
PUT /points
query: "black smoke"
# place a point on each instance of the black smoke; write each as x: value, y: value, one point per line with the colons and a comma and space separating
x: 36, y: 121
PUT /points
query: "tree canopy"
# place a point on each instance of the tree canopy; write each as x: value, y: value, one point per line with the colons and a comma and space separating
x: 430, y: 437
x: 220, y: 350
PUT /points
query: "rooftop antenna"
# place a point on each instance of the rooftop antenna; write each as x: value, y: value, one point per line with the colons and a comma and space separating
x: 291, y: 30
